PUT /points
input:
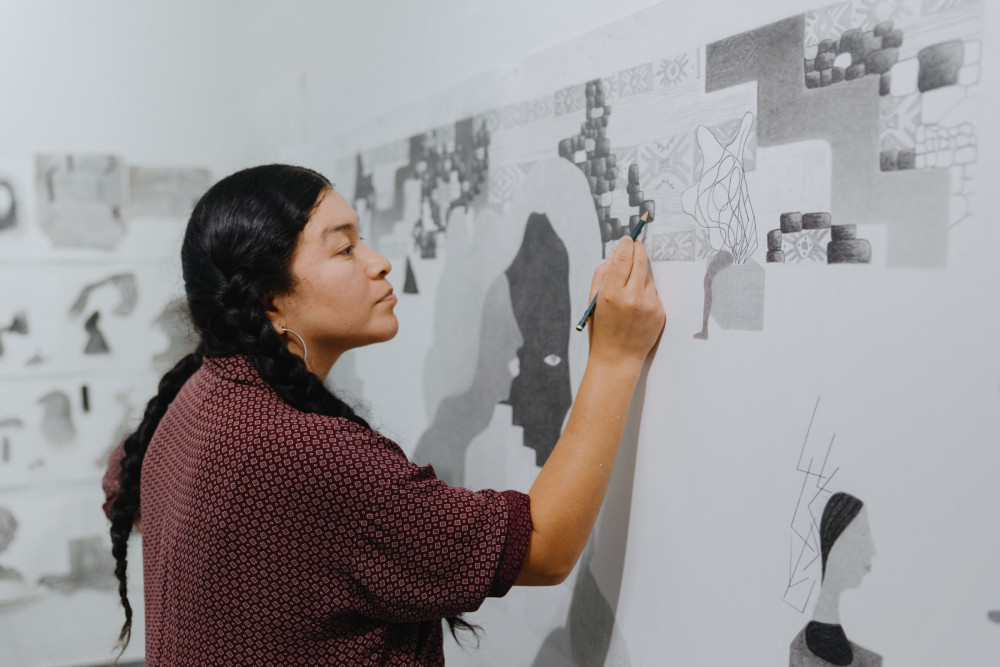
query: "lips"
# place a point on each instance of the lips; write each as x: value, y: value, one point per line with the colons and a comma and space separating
x: 388, y: 297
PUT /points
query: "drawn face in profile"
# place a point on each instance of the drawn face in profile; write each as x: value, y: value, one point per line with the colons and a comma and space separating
x: 851, y: 556
x: 538, y: 277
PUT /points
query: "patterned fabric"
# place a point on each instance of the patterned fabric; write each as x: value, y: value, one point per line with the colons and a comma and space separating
x: 272, y: 536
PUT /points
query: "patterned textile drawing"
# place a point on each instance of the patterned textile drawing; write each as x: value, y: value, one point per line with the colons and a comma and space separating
x: 827, y: 22
x: 635, y: 80
x: 672, y: 71
x: 668, y: 163
x: 570, y: 99
x: 870, y: 13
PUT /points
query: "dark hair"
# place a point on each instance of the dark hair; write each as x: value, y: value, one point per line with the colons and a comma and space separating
x: 839, y: 512
x: 237, y: 251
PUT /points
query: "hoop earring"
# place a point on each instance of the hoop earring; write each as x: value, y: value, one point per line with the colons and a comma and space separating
x: 305, y: 352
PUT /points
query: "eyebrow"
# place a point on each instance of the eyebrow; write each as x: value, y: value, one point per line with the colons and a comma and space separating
x: 345, y: 228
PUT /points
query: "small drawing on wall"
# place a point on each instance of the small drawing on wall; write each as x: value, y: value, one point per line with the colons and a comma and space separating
x: 846, y: 551
x: 91, y: 567
x: 175, y: 322
x: 8, y: 205
x: 18, y: 325
x: 80, y: 200
x: 165, y: 192
x: 994, y: 616
x: 128, y: 295
x: 57, y: 418
x: 8, y: 528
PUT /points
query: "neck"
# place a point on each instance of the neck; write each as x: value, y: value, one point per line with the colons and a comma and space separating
x: 827, y: 606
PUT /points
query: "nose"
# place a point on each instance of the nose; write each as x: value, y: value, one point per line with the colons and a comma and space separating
x: 378, y: 266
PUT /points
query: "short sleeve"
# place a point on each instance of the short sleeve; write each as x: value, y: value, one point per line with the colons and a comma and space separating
x: 424, y: 549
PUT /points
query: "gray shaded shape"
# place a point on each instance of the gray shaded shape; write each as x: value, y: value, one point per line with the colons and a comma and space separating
x: 993, y: 615
x: 345, y: 382
x: 538, y: 280
x: 165, y: 191
x: 80, y: 200
x: 585, y: 640
x: 717, y: 263
x: 91, y: 567
x: 852, y: 251
x: 8, y: 528
x: 57, y: 420
x: 888, y: 160
x: 122, y: 430
x: 843, y: 232
x: 939, y: 65
x: 791, y: 222
x: 914, y: 203
x: 775, y: 256
x: 460, y: 417
x: 738, y: 296
x: 881, y: 61
x: 8, y: 205
x: 182, y: 338
x: 18, y: 325
x: 816, y: 220
x: 96, y: 343
x: 410, y: 283
x: 801, y: 656
x: 5, y: 450
x: 774, y: 239
x: 125, y: 283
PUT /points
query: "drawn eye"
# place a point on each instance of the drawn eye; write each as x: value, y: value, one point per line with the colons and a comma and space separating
x: 514, y: 366
x: 552, y: 359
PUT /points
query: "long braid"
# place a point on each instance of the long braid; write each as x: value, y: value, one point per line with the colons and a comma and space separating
x: 126, y: 502
x: 283, y: 370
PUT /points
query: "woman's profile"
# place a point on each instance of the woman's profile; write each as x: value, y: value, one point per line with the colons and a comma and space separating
x: 278, y: 526
x: 846, y: 549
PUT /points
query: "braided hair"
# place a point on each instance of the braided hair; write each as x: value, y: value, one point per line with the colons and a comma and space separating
x: 839, y: 512
x: 237, y: 251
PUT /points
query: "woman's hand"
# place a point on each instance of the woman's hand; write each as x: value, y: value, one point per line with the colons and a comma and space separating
x: 629, y: 317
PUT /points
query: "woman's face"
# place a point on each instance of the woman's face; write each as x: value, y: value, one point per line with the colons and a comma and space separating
x: 850, y: 559
x: 341, y: 298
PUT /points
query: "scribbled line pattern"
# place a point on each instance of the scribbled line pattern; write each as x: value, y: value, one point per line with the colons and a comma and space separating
x: 720, y: 200
x: 804, y: 549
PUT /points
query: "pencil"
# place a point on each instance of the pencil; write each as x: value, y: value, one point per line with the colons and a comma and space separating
x: 593, y: 304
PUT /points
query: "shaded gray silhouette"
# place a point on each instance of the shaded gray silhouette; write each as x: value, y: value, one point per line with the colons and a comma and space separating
x: 175, y: 321
x: 19, y: 325
x: 720, y: 260
x: 461, y: 417
x: 8, y: 527
x: 125, y: 283
x: 57, y: 421
x: 10, y: 422
x: 994, y: 615
x: 80, y: 200
x: 8, y: 205
x: 847, y: 549
x: 538, y: 279
x: 96, y: 342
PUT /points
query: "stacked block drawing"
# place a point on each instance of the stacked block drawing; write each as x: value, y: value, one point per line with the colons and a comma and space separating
x: 858, y: 53
x: 590, y: 151
x: 844, y: 247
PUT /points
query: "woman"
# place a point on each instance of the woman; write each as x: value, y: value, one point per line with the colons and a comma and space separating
x: 846, y: 549
x: 278, y: 528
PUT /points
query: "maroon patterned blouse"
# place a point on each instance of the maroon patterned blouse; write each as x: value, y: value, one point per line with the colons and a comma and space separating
x: 276, y: 537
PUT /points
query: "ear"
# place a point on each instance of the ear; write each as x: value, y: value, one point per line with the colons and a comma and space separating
x: 273, y: 309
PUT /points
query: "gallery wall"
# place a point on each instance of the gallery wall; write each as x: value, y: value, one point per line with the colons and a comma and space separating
x: 876, y: 378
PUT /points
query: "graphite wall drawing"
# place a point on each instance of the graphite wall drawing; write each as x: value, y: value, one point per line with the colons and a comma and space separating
x: 813, y: 180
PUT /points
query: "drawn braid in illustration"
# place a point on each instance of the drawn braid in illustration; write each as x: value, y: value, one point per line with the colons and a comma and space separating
x: 237, y: 249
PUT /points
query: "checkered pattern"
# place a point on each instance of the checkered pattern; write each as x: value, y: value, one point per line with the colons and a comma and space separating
x: 272, y: 536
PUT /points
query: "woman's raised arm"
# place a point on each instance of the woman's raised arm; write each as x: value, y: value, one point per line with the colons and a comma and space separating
x: 567, y: 495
